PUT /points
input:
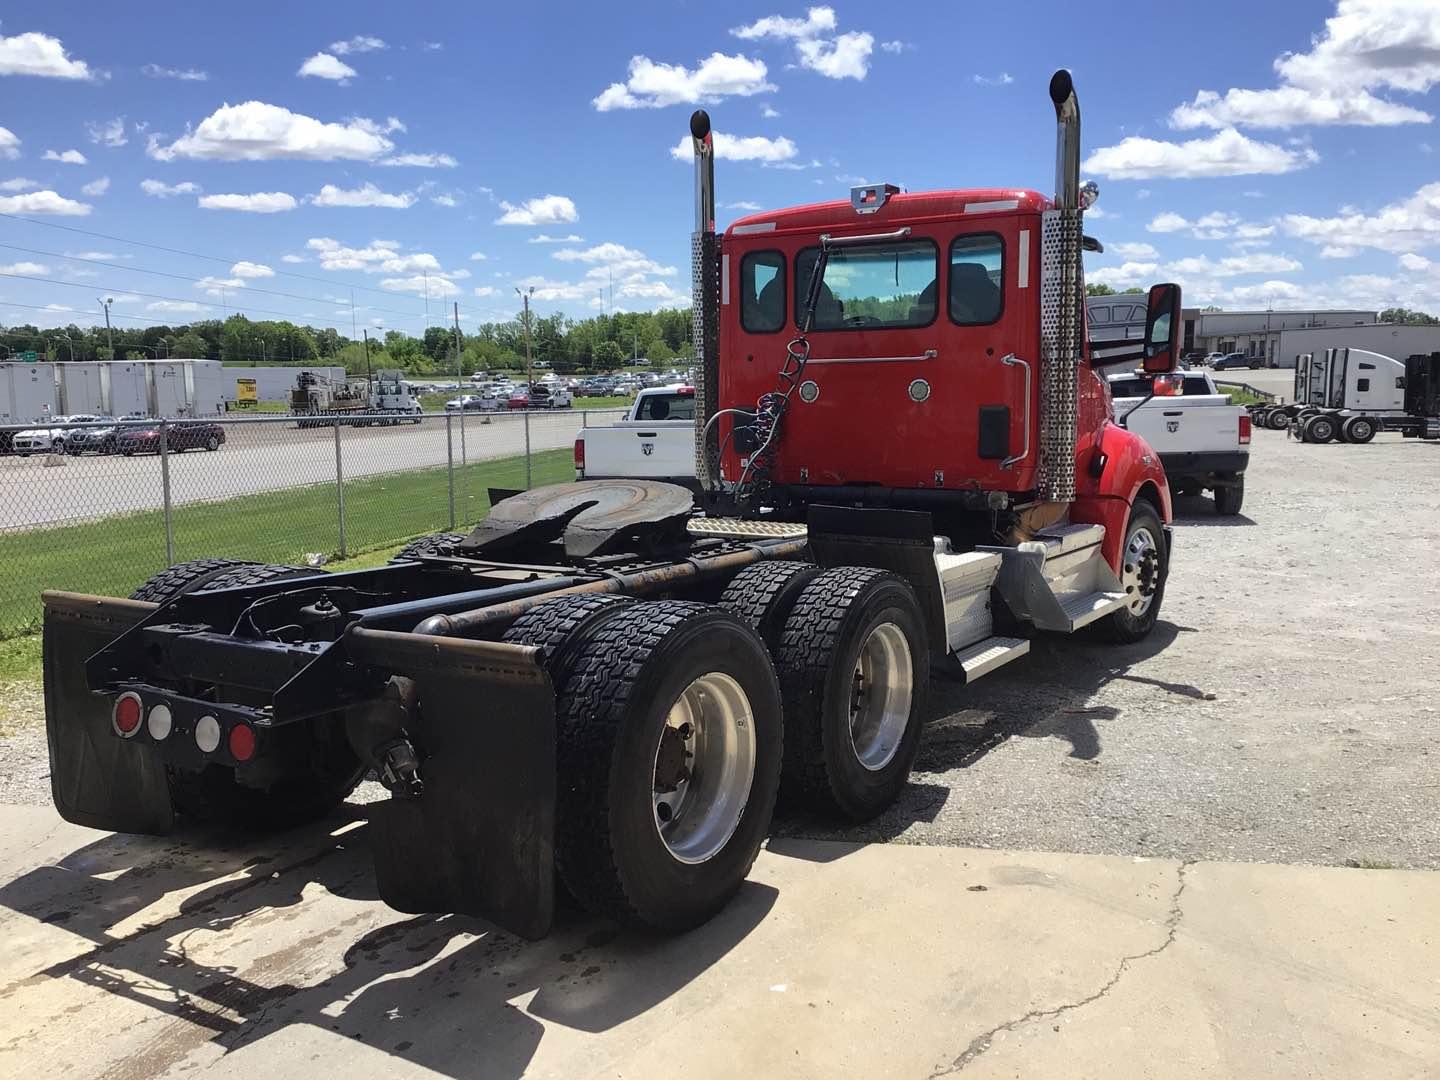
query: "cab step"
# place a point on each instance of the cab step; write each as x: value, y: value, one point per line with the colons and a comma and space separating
x: 1081, y: 609
x: 985, y: 656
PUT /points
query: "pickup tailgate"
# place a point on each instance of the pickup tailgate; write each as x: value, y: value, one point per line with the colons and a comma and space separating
x: 1186, y: 425
x: 654, y: 449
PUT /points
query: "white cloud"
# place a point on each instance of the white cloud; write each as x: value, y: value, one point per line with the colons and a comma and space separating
x: 478, y: 256
x: 769, y: 113
x: 545, y: 210
x: 381, y: 256
x: 743, y: 204
x: 739, y: 148
x: 155, y: 71
x: 895, y: 47
x: 43, y: 202
x: 611, y: 258
x: 25, y: 269
x: 360, y: 43
x: 177, y: 307
x: 42, y: 55
x: 18, y: 184
x: 244, y: 269
x: 1226, y: 153
x: 367, y: 194
x: 432, y: 46
x: 652, y: 85
x: 1132, y: 251
x: 1411, y: 261
x: 324, y: 66
x: 1367, y: 45
x: 844, y: 57
x: 1405, y: 226
x: 96, y: 187
x: 109, y: 133
x: 256, y: 131
x: 259, y: 202
x: 486, y: 290
x: 817, y: 21
x: 1216, y: 225
x: 162, y: 190
x: 293, y: 259
x: 1232, y: 266
x: 433, y: 286
x: 1291, y: 106
x: 541, y: 238
x: 67, y: 157
x: 9, y: 144
x: 1003, y: 79
x: 444, y: 200
x: 547, y: 291
x: 214, y: 286
x: 421, y: 161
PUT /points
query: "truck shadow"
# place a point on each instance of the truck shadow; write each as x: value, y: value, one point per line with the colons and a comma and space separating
x: 1199, y: 510
x: 965, y: 723
x: 255, y: 947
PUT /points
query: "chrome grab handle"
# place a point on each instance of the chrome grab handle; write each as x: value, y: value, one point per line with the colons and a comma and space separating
x: 868, y: 238
x: 1010, y: 360
x: 928, y: 354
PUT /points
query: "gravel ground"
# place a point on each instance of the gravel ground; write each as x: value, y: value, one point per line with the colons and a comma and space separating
x: 1285, y: 709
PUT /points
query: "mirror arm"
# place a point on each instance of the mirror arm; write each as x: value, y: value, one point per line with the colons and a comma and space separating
x: 1123, y: 421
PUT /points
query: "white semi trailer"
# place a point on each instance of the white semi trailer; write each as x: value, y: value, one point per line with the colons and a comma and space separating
x: 1350, y: 394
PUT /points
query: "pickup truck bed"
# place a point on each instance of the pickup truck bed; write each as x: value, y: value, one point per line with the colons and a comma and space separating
x: 655, y: 441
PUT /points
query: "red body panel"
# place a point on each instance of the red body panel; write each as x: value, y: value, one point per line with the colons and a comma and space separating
x: 864, y: 428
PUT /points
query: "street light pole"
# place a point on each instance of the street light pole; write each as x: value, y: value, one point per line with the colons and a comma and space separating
x: 529, y: 378
x: 109, y: 334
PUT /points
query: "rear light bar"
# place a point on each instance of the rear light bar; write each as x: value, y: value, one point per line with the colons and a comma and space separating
x: 1244, y: 429
x: 224, y: 731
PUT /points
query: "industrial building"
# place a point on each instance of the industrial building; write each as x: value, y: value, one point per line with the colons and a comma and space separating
x: 1279, y: 336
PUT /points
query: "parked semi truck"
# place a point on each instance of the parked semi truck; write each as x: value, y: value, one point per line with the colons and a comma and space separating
x: 910, y: 460
x: 1351, y: 394
x: 318, y: 400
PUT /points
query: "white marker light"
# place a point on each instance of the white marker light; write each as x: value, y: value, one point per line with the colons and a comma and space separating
x: 159, y: 722
x: 207, y: 734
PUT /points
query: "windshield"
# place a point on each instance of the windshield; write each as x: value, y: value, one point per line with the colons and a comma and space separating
x: 871, y: 287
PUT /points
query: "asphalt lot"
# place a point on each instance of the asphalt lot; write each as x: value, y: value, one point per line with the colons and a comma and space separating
x: 1284, y: 712
x: 261, y: 456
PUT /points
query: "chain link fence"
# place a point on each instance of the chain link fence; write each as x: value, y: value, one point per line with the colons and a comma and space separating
x: 99, y: 508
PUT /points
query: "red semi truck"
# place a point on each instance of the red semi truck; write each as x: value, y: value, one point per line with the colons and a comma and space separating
x: 908, y: 458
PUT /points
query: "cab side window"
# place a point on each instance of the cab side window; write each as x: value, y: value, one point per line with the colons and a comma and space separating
x: 762, y: 292
x: 977, y: 293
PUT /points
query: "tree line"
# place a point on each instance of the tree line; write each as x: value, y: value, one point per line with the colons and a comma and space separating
x: 598, y: 343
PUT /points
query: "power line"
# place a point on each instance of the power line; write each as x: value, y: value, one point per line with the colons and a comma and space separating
x: 287, y: 315
x: 181, y: 251
x: 182, y: 277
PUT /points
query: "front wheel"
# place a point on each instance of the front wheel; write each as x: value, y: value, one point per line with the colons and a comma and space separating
x: 1144, y: 566
x: 212, y: 443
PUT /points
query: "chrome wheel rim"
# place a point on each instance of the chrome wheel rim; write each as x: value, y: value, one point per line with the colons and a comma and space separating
x: 880, y: 696
x: 704, y: 766
x: 1140, y: 571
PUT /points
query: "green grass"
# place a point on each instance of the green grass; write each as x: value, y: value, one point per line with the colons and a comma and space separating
x: 1242, y: 397
x: 114, y: 555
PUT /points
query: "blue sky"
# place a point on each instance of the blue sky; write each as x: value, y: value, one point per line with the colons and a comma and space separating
x: 1260, y: 154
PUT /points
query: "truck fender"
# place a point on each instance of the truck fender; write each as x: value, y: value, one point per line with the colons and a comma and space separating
x: 1128, y: 470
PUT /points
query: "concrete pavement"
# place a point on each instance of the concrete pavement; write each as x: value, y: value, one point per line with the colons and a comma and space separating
x: 130, y: 957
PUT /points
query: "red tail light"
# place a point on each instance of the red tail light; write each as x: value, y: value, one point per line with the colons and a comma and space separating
x: 1244, y: 428
x: 125, y: 714
x: 579, y: 455
x: 242, y: 742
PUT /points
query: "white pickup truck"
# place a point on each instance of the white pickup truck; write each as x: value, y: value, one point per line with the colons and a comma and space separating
x: 1203, y: 440
x: 656, y: 440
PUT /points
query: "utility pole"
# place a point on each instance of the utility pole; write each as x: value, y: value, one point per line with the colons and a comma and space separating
x: 529, y: 379
x: 109, y: 335
x: 459, y: 375
x: 367, y: 362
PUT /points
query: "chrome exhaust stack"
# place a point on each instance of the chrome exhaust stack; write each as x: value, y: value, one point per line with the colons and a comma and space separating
x: 1062, y: 298
x: 705, y: 303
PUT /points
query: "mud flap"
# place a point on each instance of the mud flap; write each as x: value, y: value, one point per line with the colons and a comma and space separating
x: 480, y: 839
x: 96, y: 778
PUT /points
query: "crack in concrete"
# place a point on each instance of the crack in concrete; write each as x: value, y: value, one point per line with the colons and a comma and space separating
x: 985, y: 1040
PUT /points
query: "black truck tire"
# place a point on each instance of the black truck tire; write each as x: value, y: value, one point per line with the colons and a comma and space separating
x: 617, y: 734
x: 1358, y: 429
x: 1229, y: 499
x: 1145, y: 565
x: 852, y: 629
x: 182, y: 578
x: 438, y: 544
x: 256, y: 574
x: 764, y: 595
x: 561, y: 626
x: 1320, y: 429
x: 1277, y: 420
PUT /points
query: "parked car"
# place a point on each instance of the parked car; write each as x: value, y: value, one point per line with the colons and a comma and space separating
x: 50, y: 439
x: 1237, y: 360
x: 179, y: 436
x: 519, y: 398
x: 93, y: 440
x: 550, y: 396
x: 473, y: 403
x: 1210, y: 358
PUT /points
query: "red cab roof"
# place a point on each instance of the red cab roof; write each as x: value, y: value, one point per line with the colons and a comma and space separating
x: 898, y: 209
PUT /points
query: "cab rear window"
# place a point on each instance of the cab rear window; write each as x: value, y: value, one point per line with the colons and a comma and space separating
x: 762, y: 292
x: 666, y: 407
x: 976, y: 279
x: 873, y: 287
